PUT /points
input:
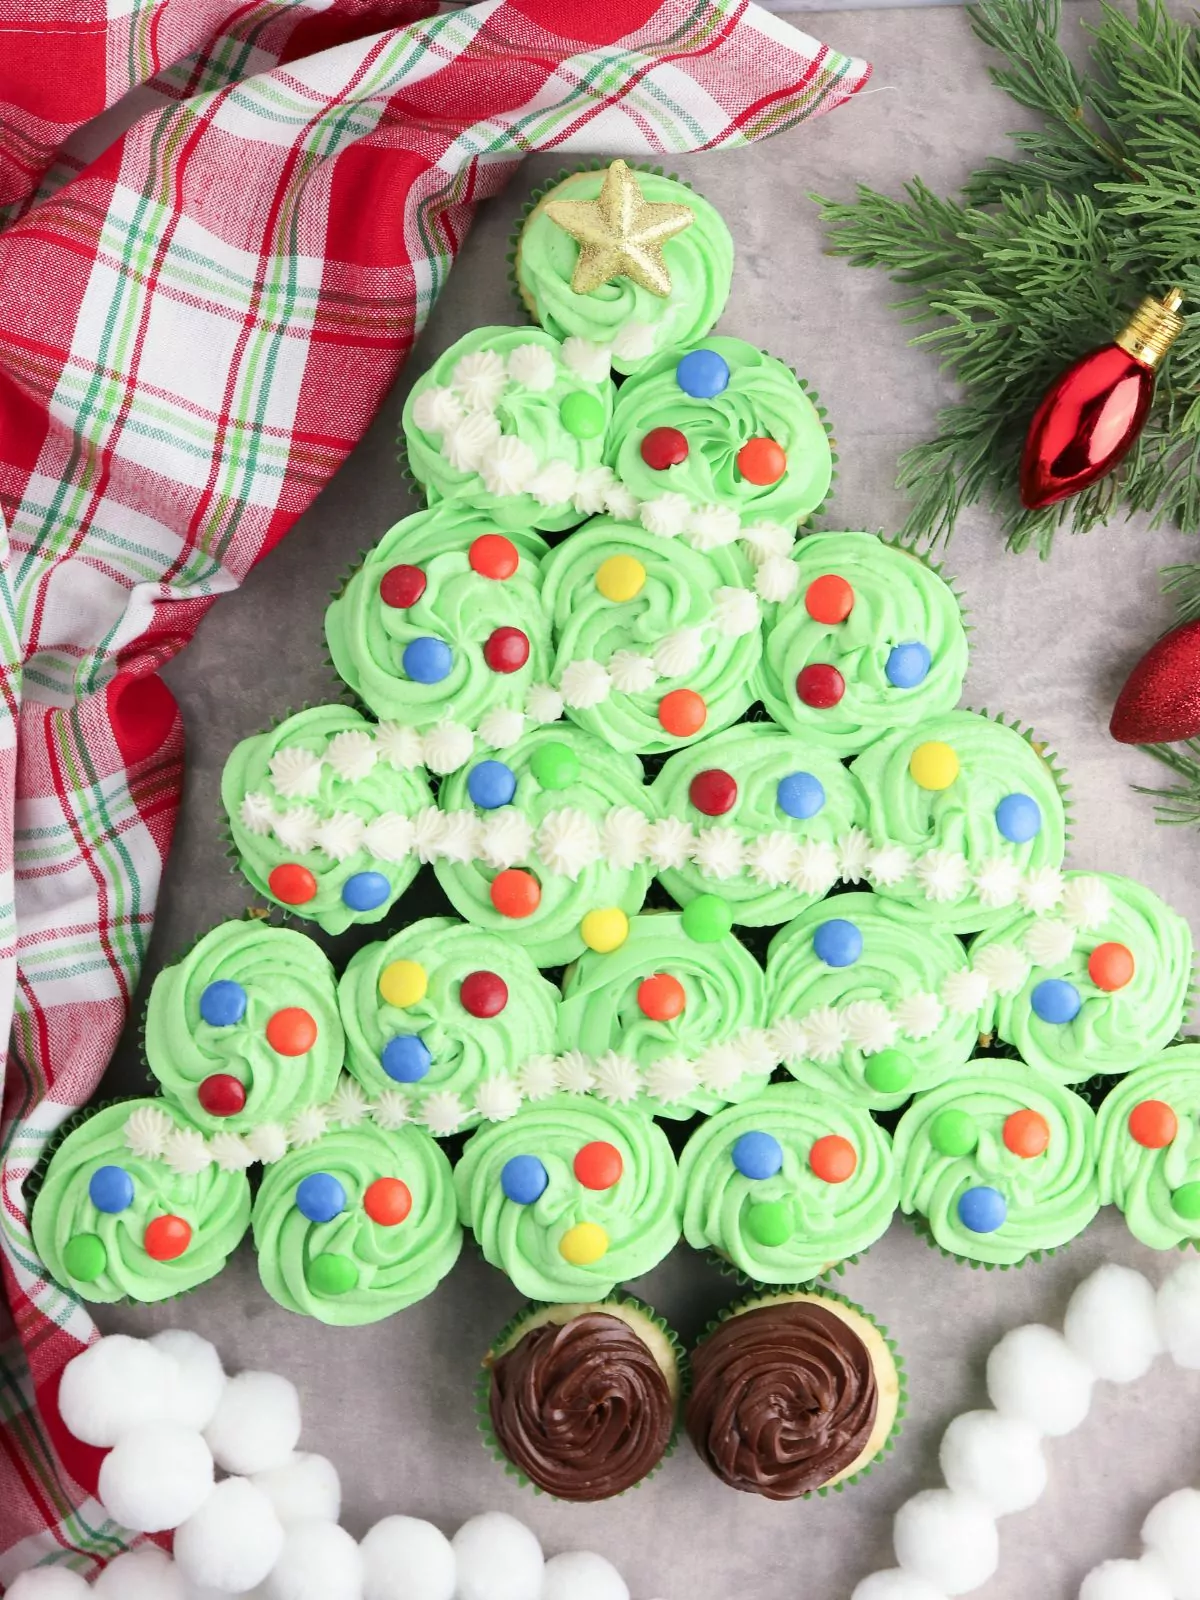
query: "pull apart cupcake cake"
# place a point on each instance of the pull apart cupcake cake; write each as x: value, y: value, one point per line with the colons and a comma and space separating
x: 737, y: 930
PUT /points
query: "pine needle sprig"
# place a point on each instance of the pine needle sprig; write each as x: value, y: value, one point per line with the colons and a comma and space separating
x: 1180, y: 802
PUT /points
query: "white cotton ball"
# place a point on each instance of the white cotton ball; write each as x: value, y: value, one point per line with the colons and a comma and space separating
x: 947, y: 1539
x: 116, y: 1384
x: 1127, y: 1580
x: 306, y: 1486
x: 498, y: 1558
x: 48, y: 1583
x: 407, y: 1559
x: 1179, y: 1314
x: 140, y: 1575
x: 1172, y: 1532
x: 895, y: 1585
x: 996, y: 1459
x: 156, y: 1476
x: 582, y: 1575
x: 320, y: 1561
x: 201, y: 1591
x: 1112, y: 1323
x: 201, y: 1375
x: 234, y: 1539
x: 256, y: 1423
x: 1034, y: 1374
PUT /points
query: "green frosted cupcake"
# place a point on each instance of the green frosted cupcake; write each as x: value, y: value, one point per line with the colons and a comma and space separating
x: 967, y: 820
x: 1098, y: 985
x: 446, y: 1015
x: 550, y: 845
x: 321, y: 812
x: 672, y: 1017
x: 634, y: 320
x: 728, y: 430
x: 570, y: 1197
x: 357, y: 1225
x: 788, y: 1186
x: 876, y: 1001
x: 776, y: 822
x: 245, y: 1029
x: 133, y: 1207
x: 512, y: 422
x: 869, y: 640
x: 1148, y: 1137
x: 998, y: 1164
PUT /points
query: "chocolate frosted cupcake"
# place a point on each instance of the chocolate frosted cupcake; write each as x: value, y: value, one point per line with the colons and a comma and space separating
x: 793, y: 1394
x: 581, y: 1401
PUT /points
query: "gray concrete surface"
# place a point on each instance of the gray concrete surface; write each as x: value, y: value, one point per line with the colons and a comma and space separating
x: 392, y: 1404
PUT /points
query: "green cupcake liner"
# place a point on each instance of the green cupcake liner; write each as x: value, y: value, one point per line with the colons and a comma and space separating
x: 920, y: 1226
x: 730, y: 1269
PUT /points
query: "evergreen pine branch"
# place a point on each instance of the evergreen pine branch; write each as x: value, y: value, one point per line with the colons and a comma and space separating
x: 1179, y: 802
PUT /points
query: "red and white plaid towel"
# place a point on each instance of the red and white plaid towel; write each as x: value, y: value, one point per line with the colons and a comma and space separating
x: 204, y: 296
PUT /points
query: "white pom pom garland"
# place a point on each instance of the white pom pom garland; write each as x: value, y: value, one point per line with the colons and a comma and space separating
x: 498, y: 1558
x: 49, y: 1583
x: 1127, y: 1580
x: 1172, y: 1533
x: 156, y: 1477
x: 233, y: 1541
x: 201, y: 1377
x: 996, y: 1460
x: 946, y: 1538
x: 1179, y: 1314
x: 1112, y: 1324
x: 407, y: 1559
x: 895, y: 1584
x: 304, y: 1486
x: 1033, y: 1374
x: 256, y: 1425
x: 141, y: 1575
x: 115, y: 1385
x: 582, y: 1575
x: 319, y: 1561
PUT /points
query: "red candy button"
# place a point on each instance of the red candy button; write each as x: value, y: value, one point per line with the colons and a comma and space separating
x: 833, y: 1159
x: 1111, y: 966
x: 820, y: 686
x: 713, y: 792
x: 1153, y: 1124
x: 663, y: 448
x: 221, y: 1095
x: 829, y: 599
x: 291, y: 1032
x: 293, y: 884
x: 598, y: 1165
x: 387, y: 1201
x: 762, y: 461
x: 1026, y: 1134
x: 493, y: 556
x: 166, y: 1238
x: 682, y: 713
x: 401, y: 587
x: 483, y: 994
x: 516, y: 893
x: 661, y: 997
x: 507, y: 650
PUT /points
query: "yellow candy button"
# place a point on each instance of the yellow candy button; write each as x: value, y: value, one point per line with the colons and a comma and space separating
x: 584, y: 1243
x: 933, y: 765
x: 620, y: 577
x: 605, y: 930
x: 403, y: 983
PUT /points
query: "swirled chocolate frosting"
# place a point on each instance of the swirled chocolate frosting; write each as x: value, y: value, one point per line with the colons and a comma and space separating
x: 582, y: 1408
x: 783, y: 1399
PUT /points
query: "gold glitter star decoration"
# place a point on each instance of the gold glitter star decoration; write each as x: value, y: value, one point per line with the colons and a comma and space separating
x: 620, y: 234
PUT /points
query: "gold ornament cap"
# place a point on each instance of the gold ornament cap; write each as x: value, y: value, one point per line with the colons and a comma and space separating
x: 1153, y: 328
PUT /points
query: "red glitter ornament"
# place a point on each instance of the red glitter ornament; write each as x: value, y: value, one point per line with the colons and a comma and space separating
x: 221, y: 1095
x: 493, y: 556
x: 713, y: 792
x: 599, y: 1165
x: 663, y: 448
x: 293, y: 884
x: 1160, y: 703
x: 401, y: 587
x: 483, y: 994
x: 820, y: 686
x: 506, y: 650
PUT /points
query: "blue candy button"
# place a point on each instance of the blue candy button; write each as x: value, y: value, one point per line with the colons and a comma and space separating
x: 427, y: 660
x: 320, y: 1197
x: 982, y: 1209
x: 1019, y: 818
x: 223, y: 1003
x: 800, y: 795
x: 406, y: 1058
x: 491, y: 784
x: 1056, y: 1000
x: 702, y: 374
x: 365, y: 890
x: 110, y: 1189
x: 908, y: 665
x: 757, y: 1155
x: 523, y: 1179
x: 838, y: 943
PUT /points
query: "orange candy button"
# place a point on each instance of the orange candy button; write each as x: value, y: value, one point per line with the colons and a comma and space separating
x: 1153, y: 1124
x: 516, y: 893
x: 387, y: 1201
x: 762, y: 461
x: 829, y: 599
x: 1026, y: 1134
x: 661, y: 997
x: 292, y: 1031
x: 1111, y: 966
x: 293, y: 884
x: 833, y: 1159
x: 166, y: 1238
x: 682, y: 713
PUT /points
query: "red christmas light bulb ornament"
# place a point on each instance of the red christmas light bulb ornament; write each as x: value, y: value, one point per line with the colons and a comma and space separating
x: 1160, y: 703
x: 1090, y: 417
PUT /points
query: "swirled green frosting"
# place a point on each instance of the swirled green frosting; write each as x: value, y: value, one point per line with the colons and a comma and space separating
x: 465, y: 1050
x: 763, y: 399
x: 677, y: 594
x: 699, y: 260
x: 386, y: 789
x: 275, y: 969
x: 367, y: 637
x: 1113, y: 1030
x: 813, y: 1223
x: 1048, y: 1198
x: 898, y: 600
x: 639, y: 1213
x: 607, y: 781
x: 759, y: 757
x: 902, y: 957
x: 531, y: 415
x: 994, y: 761
x: 69, y: 1230
x: 723, y: 999
x: 1156, y: 1185
x: 353, y: 1269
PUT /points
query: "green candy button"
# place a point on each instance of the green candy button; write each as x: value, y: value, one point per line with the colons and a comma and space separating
x: 330, y: 1274
x: 954, y: 1133
x: 85, y: 1257
x: 707, y: 918
x: 890, y: 1072
x: 555, y: 765
x: 770, y: 1222
x: 582, y: 414
x: 1186, y: 1201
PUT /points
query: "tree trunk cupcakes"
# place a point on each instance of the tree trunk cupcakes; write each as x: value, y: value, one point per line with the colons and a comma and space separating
x: 1148, y: 1135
